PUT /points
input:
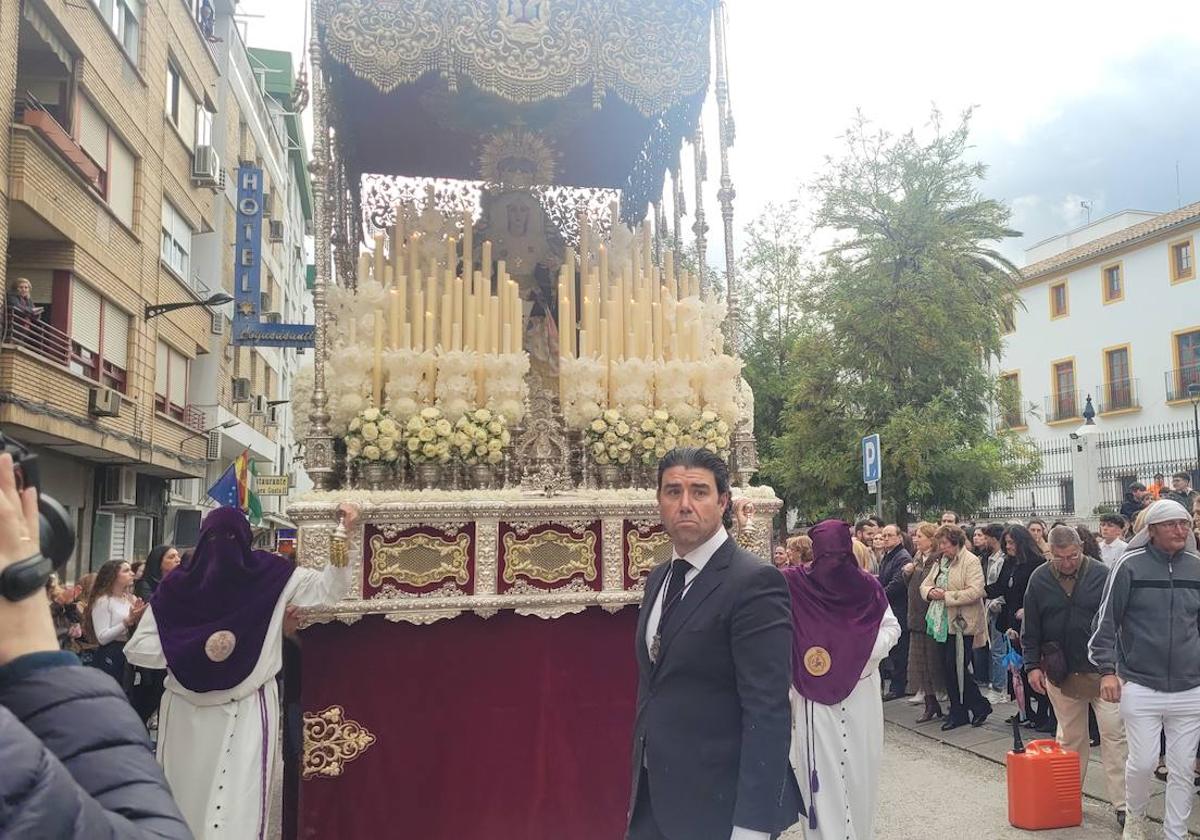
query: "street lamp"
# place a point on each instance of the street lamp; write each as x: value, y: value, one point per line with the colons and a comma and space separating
x: 218, y: 299
x: 1194, y: 395
x: 204, y: 433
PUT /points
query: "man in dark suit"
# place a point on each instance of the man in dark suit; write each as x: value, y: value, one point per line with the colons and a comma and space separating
x: 714, y: 651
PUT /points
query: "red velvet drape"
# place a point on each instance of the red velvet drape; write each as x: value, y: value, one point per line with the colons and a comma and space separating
x: 510, y: 728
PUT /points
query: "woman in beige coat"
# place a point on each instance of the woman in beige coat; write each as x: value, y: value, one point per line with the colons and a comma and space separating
x: 958, y: 623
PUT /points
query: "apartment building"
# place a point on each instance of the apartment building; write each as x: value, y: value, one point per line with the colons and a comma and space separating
x: 1108, y: 313
x: 243, y: 391
x: 128, y: 119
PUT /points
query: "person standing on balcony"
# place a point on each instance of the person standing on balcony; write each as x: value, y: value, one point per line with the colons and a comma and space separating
x: 23, y: 315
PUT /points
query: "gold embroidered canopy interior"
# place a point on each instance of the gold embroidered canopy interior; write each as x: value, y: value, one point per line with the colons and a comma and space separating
x: 612, y: 85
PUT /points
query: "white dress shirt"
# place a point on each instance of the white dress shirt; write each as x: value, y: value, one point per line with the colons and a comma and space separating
x: 108, y: 619
x: 1110, y: 552
x: 698, y: 558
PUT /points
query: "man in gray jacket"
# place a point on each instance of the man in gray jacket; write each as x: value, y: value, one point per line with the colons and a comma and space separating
x: 1147, y: 649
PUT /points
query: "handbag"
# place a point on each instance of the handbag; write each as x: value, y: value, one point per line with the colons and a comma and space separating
x: 1054, y: 663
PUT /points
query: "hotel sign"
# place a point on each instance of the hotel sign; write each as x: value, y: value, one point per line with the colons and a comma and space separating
x: 249, y: 328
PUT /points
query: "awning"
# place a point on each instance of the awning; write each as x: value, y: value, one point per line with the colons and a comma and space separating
x: 274, y: 522
x: 47, y: 34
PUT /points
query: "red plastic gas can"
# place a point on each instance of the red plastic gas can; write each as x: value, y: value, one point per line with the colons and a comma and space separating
x: 1043, y: 787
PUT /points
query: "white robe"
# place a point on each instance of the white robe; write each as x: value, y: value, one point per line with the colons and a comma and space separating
x: 218, y: 748
x: 848, y: 743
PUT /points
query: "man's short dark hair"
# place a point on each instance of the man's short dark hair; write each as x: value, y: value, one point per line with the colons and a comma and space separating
x: 995, y: 531
x: 861, y: 525
x: 1113, y: 519
x: 951, y: 513
x: 1182, y: 476
x: 696, y: 459
x: 876, y: 520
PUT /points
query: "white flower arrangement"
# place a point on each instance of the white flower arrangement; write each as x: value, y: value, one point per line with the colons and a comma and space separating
x: 712, y: 319
x: 428, y: 436
x: 719, y: 378
x: 505, y: 386
x: 583, y: 389
x: 373, y: 436
x: 480, y: 436
x: 633, y: 388
x: 708, y: 431
x: 455, y: 389
x: 611, y: 438
x: 409, y: 381
x: 301, y: 402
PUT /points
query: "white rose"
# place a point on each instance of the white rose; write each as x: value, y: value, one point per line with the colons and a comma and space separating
x: 610, y: 437
x: 622, y: 428
x: 672, y: 428
x: 708, y: 416
x: 442, y: 427
x: 430, y: 413
x: 371, y: 453
x: 429, y: 450
x: 648, y: 442
x: 371, y: 415
x: 413, y: 444
x: 426, y: 434
x: 495, y: 427
x: 623, y: 458
x: 387, y: 426
x: 611, y: 416
x: 482, y: 415
x: 670, y: 442
x: 385, y: 443
x: 391, y: 455
x: 597, y: 448
x: 505, y: 437
x: 602, y: 458
x: 614, y: 451
x: 370, y: 431
x: 495, y: 457
x: 661, y: 416
x: 415, y: 424
x: 495, y: 445
x: 355, y: 424
x: 598, y: 425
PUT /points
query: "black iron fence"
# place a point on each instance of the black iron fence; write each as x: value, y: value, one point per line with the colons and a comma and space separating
x: 1049, y: 493
x: 1137, y: 454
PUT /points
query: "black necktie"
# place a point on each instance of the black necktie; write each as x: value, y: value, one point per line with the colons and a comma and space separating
x: 679, y: 570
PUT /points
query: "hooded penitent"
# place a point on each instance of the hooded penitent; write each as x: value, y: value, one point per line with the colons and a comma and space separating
x: 213, y: 611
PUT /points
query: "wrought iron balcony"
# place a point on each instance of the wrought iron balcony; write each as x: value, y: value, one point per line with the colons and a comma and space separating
x: 1064, y: 405
x: 1179, y: 380
x: 1118, y: 395
x: 37, y: 336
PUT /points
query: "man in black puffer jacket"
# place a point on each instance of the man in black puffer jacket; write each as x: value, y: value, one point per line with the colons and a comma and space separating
x: 76, y: 761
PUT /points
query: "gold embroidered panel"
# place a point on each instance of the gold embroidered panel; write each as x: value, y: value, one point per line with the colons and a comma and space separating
x: 331, y: 741
x: 652, y: 54
x: 646, y: 545
x: 420, y: 559
x: 549, y: 554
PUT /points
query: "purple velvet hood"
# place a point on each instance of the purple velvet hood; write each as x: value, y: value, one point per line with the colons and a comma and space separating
x: 836, y: 606
x: 226, y: 586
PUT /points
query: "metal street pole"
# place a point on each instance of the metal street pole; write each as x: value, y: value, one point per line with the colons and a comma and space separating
x: 1193, y: 391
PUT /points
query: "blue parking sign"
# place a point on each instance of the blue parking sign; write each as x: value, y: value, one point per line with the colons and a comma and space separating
x: 872, y: 459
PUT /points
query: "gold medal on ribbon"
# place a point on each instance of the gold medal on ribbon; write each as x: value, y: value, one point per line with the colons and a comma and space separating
x: 817, y: 661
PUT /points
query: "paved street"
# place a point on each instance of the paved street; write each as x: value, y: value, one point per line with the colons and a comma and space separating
x: 931, y: 789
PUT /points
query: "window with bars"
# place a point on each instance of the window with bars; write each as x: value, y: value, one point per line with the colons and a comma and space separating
x: 171, y: 371
x: 99, y: 337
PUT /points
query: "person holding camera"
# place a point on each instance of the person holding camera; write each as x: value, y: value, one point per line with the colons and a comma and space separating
x: 62, y: 779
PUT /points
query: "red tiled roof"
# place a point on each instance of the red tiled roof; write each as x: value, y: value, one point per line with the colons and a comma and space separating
x: 1119, y: 239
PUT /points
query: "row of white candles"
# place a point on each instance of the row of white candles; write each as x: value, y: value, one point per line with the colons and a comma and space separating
x: 622, y: 314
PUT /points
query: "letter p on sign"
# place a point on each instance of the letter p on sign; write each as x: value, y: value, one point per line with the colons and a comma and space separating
x: 871, y: 459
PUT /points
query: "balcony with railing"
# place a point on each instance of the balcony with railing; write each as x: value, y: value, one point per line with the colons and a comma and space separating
x: 37, y: 336
x: 1064, y: 405
x: 1118, y: 395
x: 1183, y: 383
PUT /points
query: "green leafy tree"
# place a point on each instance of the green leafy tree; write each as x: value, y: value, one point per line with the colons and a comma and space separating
x: 905, y: 315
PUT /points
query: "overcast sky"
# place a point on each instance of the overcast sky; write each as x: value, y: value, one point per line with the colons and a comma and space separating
x: 1074, y: 101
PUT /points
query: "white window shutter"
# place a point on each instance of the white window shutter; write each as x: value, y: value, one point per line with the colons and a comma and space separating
x: 120, y: 181
x: 116, y: 337
x: 161, y: 362
x: 85, y: 316
x: 93, y: 132
x: 179, y: 366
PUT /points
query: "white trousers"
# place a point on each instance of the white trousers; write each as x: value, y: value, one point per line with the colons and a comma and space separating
x: 1146, y: 712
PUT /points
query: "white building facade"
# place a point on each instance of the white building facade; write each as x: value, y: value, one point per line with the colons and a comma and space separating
x: 1107, y: 328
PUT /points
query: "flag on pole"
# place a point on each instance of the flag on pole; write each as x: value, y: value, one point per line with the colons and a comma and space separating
x: 232, y: 489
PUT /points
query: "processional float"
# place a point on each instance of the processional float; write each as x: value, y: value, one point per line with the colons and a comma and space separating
x: 509, y: 333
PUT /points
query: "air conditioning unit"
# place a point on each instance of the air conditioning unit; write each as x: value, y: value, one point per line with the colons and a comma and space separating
x: 258, y: 405
x: 218, y: 324
x: 120, y: 487
x: 272, y: 318
x: 275, y: 231
x: 206, y: 167
x: 104, y: 402
x: 241, y: 389
x: 213, y: 452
